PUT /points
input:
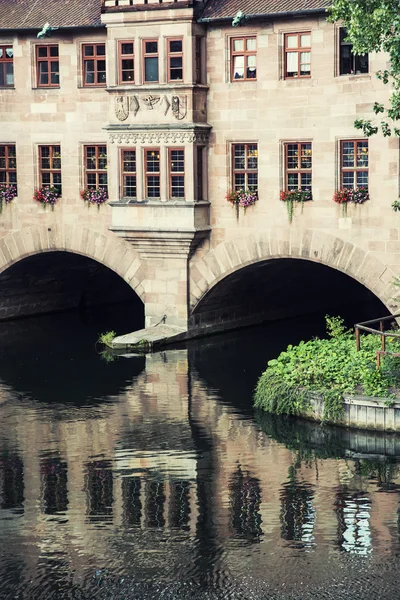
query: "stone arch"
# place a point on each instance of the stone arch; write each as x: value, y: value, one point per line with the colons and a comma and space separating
x: 317, y: 246
x: 112, y: 252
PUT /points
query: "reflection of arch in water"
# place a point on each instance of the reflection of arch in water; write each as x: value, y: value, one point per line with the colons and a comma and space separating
x: 353, y: 511
x: 245, y: 500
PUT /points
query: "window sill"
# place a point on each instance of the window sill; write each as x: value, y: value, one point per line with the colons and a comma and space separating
x: 354, y: 77
x: 47, y: 88
x: 7, y: 87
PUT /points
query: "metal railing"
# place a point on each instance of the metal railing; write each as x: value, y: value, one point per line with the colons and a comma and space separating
x: 381, y: 332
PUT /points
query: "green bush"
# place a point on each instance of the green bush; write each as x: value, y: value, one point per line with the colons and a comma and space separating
x: 329, y: 368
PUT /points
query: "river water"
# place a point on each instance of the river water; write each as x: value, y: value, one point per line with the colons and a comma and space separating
x: 152, y: 477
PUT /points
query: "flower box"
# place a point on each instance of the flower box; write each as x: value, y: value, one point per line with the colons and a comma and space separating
x: 96, y: 196
x: 291, y: 197
x: 47, y: 195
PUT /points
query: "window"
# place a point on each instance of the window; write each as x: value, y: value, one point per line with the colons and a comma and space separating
x: 245, y: 166
x: 243, y: 58
x: 175, y: 60
x: 298, y: 166
x: 50, y: 167
x: 94, y: 64
x: 297, y: 55
x: 354, y: 164
x: 199, y: 157
x: 6, y: 66
x: 152, y: 172
x: 47, y: 65
x: 150, y: 59
x: 176, y: 168
x: 8, y: 164
x: 198, y: 60
x: 349, y: 63
x: 128, y: 160
x: 95, y: 158
x: 126, y: 62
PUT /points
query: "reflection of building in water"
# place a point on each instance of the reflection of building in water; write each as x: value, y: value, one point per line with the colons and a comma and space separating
x: 354, y: 528
x: 172, y: 458
x: 297, y: 514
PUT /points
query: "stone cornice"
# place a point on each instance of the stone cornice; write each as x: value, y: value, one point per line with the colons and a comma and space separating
x: 193, y: 135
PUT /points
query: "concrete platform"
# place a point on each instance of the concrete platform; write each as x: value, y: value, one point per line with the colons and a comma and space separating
x: 149, y: 339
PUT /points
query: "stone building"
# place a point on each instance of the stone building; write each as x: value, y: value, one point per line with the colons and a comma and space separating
x: 168, y: 107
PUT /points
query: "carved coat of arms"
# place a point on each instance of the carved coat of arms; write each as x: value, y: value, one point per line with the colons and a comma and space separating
x: 179, y: 107
x: 121, y: 107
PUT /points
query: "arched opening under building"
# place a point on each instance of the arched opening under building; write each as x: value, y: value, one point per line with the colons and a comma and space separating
x: 51, y: 282
x: 284, y: 288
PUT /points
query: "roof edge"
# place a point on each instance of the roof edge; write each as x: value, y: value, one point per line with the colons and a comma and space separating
x: 61, y: 28
x: 291, y: 13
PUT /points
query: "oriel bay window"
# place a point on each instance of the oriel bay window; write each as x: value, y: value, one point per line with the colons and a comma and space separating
x: 243, y: 58
x: 126, y: 62
x: 95, y: 167
x: 8, y: 164
x: 6, y: 66
x: 128, y: 162
x: 150, y: 61
x: 176, y: 169
x: 50, y: 167
x: 354, y: 164
x: 297, y: 55
x: 350, y: 63
x: 152, y: 172
x: 47, y: 66
x: 175, y: 60
x: 298, y: 166
x: 94, y: 64
x: 245, y: 167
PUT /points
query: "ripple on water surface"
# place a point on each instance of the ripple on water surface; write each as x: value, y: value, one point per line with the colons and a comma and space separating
x: 153, y: 478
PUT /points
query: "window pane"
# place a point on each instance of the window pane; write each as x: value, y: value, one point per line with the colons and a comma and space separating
x: 239, y: 157
x: 103, y: 179
x: 130, y: 186
x: 9, y: 74
x: 54, y: 69
x: 293, y: 181
x: 42, y: 51
x: 305, y: 63
x: 43, y: 73
x: 252, y: 156
x: 91, y: 180
x: 361, y: 64
x: 178, y: 186
x: 2, y: 81
x: 292, y: 156
x: 251, y: 67
x: 251, y: 44
x: 127, y: 48
x: 54, y: 51
x: 362, y: 179
x: 151, y: 69
x: 175, y: 46
x: 306, y: 181
x: 252, y: 179
x: 305, y: 41
x: 101, y: 50
x: 9, y: 52
x: 362, y: 154
x: 348, y: 154
x: 177, y: 160
x: 292, y: 64
x: 239, y: 181
x: 238, y: 45
x: 348, y: 179
x: 291, y: 41
x: 89, y: 50
x: 151, y: 47
x: 346, y: 60
x: 306, y: 156
x: 153, y: 186
x: 238, y: 67
x: 153, y: 161
x: 45, y: 178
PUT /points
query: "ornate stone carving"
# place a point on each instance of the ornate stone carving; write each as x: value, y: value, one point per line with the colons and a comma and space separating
x: 150, y: 101
x: 134, y: 105
x: 179, y: 107
x: 157, y: 137
x: 166, y: 104
x: 121, y: 107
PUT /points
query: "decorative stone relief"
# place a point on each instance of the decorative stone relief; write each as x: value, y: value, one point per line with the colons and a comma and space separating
x: 150, y: 101
x: 166, y: 103
x: 157, y: 137
x: 134, y: 104
x: 121, y: 107
x: 179, y: 107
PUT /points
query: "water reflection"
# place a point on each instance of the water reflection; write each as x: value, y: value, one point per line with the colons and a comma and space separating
x: 168, y: 489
